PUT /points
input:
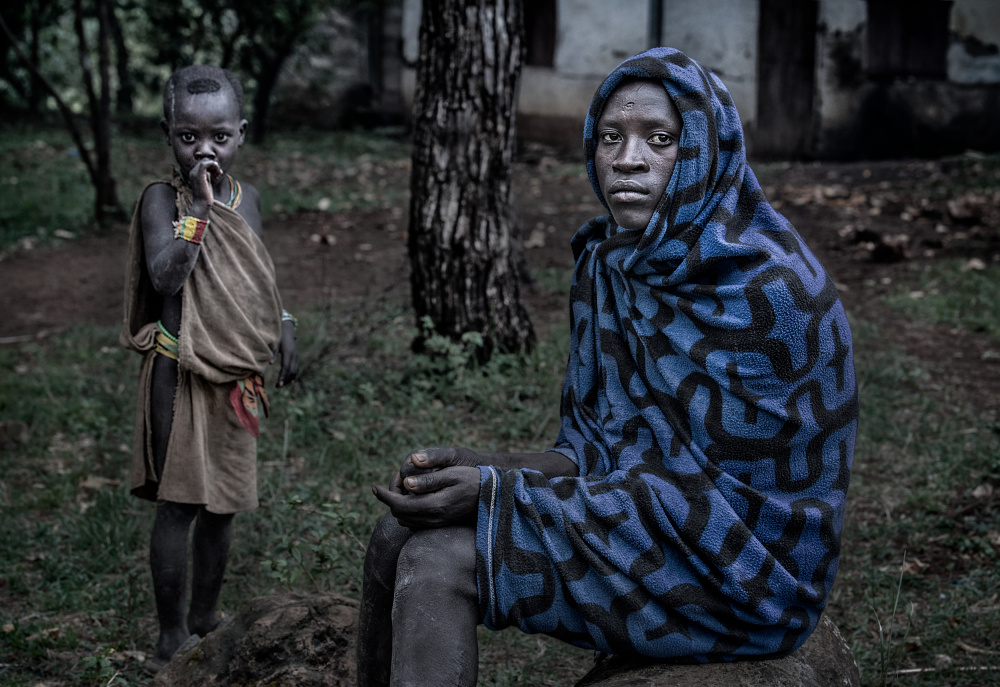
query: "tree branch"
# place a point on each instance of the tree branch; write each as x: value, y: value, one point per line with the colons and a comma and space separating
x: 64, y: 110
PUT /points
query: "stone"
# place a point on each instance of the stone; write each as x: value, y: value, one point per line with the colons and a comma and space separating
x: 285, y: 640
x: 824, y: 660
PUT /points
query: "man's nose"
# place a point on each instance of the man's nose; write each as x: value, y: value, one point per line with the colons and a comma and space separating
x: 630, y: 156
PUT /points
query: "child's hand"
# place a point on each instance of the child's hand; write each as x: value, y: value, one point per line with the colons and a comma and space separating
x: 202, y: 177
x: 288, y: 349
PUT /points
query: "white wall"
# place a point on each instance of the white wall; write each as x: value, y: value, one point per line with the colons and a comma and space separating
x: 979, y: 19
x: 842, y: 33
x: 722, y: 36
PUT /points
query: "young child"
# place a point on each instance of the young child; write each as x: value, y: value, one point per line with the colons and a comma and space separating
x: 202, y: 307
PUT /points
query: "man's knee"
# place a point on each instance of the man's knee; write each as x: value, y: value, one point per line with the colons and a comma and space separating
x: 384, y: 546
x: 443, y: 559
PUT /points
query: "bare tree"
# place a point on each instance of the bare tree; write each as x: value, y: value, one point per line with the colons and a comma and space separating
x: 463, y: 252
x: 98, y: 90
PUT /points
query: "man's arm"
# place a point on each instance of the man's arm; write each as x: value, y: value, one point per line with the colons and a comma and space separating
x: 436, y: 487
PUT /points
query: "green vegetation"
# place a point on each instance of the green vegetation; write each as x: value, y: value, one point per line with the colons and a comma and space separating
x: 919, y: 581
x: 45, y: 194
x: 959, y: 293
x: 72, y: 557
x: 918, y: 525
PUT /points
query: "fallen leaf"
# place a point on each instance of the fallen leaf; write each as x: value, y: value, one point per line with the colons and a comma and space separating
x: 96, y: 483
x: 983, y: 491
x: 536, y: 240
x: 974, y: 264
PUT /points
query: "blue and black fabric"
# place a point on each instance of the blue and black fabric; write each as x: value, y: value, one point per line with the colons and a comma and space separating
x: 711, y: 406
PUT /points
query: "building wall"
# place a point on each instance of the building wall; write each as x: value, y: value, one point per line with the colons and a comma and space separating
x: 974, y: 57
x: 722, y: 36
x: 863, y: 117
x: 855, y: 116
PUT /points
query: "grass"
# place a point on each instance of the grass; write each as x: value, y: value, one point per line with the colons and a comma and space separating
x: 951, y: 293
x: 920, y: 543
x: 46, y: 196
x: 72, y: 557
x: 916, y: 528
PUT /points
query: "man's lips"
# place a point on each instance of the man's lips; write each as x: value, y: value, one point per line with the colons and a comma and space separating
x: 627, y: 188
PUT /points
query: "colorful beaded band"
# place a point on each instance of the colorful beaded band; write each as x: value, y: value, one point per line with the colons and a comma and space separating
x: 190, y: 229
x: 288, y: 317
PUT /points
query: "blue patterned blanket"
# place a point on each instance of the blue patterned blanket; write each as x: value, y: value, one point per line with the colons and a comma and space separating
x: 711, y: 406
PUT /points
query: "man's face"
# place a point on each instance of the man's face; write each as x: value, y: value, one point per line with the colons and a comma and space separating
x: 205, y: 126
x: 637, y: 146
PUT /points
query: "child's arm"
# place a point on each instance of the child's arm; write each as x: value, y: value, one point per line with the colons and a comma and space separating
x: 288, y: 349
x: 169, y: 260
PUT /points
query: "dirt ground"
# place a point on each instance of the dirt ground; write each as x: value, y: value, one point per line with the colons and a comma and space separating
x: 868, y: 222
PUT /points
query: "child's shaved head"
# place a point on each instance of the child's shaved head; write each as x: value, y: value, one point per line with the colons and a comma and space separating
x: 200, y: 78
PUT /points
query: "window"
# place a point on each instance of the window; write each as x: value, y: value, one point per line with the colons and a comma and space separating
x: 908, y: 38
x: 540, y: 33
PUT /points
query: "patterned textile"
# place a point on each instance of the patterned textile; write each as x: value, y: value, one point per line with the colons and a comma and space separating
x: 711, y: 406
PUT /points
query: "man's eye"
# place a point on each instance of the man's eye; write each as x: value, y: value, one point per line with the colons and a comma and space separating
x: 610, y: 137
x: 661, y: 139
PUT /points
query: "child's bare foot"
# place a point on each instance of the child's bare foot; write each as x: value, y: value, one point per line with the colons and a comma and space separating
x: 202, y: 626
x: 170, y: 641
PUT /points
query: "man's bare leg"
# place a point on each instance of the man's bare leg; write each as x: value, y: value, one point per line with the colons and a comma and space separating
x: 378, y: 588
x: 436, y: 609
x: 213, y: 535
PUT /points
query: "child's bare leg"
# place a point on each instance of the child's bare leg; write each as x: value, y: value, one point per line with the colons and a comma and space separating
x: 213, y: 535
x: 378, y: 586
x: 436, y: 609
x: 168, y: 546
x: 168, y: 549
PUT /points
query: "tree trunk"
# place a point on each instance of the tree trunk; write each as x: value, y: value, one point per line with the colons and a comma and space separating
x: 461, y: 233
x: 126, y: 85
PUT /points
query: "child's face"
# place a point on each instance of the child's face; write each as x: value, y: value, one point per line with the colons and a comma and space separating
x: 205, y: 126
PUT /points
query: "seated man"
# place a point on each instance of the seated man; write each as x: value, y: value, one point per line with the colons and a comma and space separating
x: 692, y: 506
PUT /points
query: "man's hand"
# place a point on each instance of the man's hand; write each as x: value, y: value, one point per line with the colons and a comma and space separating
x: 438, y: 457
x: 433, y: 498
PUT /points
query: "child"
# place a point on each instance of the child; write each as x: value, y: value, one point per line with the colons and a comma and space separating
x: 202, y: 307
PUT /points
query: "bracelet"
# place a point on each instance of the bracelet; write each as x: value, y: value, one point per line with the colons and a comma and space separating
x: 288, y: 317
x: 190, y: 229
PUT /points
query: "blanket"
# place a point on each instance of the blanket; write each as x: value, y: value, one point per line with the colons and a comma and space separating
x: 230, y: 328
x: 710, y: 404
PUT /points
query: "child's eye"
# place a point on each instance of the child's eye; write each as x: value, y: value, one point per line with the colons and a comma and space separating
x: 187, y: 138
x: 221, y: 138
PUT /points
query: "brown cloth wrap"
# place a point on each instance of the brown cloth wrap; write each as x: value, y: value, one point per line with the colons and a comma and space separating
x: 230, y: 328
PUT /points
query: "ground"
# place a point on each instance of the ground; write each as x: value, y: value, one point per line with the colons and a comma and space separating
x: 875, y: 227
x: 869, y: 223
